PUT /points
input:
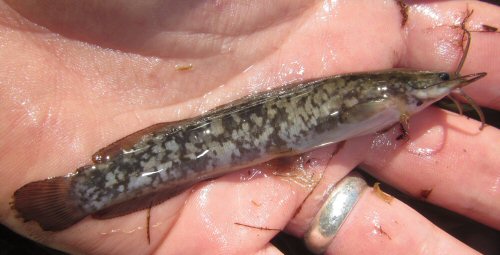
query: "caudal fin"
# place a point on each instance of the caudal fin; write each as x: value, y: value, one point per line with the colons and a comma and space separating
x: 48, y: 202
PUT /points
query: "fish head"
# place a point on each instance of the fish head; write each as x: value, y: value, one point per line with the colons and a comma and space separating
x: 430, y: 87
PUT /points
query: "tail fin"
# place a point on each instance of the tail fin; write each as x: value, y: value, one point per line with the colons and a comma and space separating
x: 48, y: 202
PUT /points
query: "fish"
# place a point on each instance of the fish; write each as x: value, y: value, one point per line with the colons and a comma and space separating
x: 157, y: 163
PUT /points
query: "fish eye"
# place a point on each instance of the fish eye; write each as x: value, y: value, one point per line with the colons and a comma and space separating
x: 444, y: 76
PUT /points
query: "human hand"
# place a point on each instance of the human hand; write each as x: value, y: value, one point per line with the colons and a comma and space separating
x: 76, y: 77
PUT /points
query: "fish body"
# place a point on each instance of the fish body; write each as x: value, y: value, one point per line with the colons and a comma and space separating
x: 159, y: 162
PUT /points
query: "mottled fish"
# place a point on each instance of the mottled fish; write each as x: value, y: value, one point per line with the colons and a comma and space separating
x: 159, y: 162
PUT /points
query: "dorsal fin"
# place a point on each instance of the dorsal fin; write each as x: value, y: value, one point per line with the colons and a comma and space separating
x: 129, y: 141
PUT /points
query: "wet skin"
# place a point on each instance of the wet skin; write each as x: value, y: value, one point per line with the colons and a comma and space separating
x: 70, y: 88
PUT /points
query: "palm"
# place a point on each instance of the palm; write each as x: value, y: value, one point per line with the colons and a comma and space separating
x: 87, y: 77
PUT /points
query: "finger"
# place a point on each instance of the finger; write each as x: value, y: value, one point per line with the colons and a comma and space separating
x: 428, y: 27
x: 269, y: 249
x: 453, y: 164
x: 384, y: 227
x: 391, y: 228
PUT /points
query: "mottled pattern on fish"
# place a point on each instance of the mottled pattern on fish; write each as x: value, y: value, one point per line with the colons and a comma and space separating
x: 284, y: 121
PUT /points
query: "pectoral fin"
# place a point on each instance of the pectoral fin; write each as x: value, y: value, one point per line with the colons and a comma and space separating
x: 404, y: 120
x: 128, y: 142
x: 363, y: 111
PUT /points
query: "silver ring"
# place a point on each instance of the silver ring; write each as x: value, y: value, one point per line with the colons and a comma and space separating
x: 333, y: 213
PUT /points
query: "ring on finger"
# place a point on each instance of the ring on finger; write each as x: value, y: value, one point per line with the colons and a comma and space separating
x: 334, y: 212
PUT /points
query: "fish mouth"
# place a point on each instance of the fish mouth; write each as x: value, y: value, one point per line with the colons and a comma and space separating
x: 470, y: 78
